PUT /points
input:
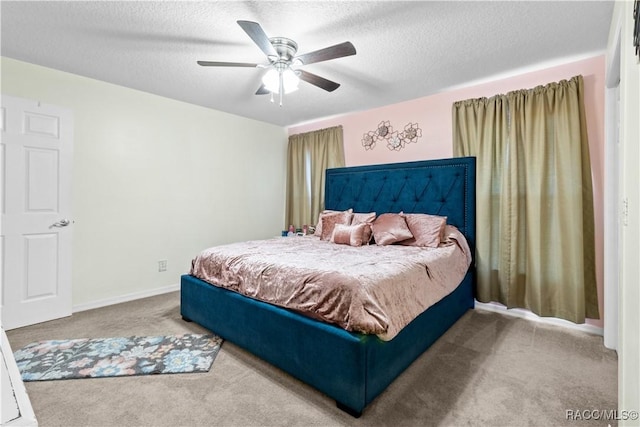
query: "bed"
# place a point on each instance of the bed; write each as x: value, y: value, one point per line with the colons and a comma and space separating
x: 350, y: 367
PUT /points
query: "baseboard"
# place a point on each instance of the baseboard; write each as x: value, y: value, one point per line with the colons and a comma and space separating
x: 525, y: 314
x: 125, y: 298
x: 16, y: 406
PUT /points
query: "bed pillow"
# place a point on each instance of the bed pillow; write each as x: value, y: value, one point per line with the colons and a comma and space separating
x: 366, y: 218
x: 390, y: 228
x: 352, y: 235
x: 359, y: 218
x: 427, y: 230
x: 318, y: 231
x: 330, y: 220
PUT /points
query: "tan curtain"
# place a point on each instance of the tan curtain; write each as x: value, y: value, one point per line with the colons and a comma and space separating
x: 533, y: 166
x: 309, y: 155
x: 480, y: 130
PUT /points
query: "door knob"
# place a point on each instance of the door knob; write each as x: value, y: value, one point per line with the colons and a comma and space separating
x: 61, y: 223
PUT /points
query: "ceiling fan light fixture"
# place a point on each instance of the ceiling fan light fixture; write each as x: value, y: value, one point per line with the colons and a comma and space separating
x: 271, y: 80
x: 284, y: 73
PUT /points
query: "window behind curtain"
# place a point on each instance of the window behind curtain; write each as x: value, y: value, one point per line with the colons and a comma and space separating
x: 535, y: 239
x: 308, y: 156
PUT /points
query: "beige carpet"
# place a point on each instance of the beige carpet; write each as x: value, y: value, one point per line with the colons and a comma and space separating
x: 488, y: 370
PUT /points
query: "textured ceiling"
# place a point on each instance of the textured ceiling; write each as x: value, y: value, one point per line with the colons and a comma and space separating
x: 405, y: 50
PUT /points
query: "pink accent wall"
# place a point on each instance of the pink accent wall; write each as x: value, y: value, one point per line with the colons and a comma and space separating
x: 433, y: 115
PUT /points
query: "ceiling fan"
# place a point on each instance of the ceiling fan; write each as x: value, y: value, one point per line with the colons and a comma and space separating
x: 284, y: 70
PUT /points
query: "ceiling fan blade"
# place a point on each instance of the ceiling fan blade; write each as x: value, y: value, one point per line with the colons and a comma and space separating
x: 259, y: 37
x: 262, y: 91
x: 315, y: 80
x: 332, y: 52
x: 226, y: 64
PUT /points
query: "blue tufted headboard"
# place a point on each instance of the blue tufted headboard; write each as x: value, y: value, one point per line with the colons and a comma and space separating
x: 444, y: 187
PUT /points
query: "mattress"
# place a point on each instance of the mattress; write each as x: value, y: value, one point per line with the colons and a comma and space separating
x: 369, y: 289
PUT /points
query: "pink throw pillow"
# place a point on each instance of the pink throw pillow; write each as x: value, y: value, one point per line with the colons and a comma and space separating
x: 329, y: 221
x: 427, y: 230
x: 318, y: 231
x: 390, y: 228
x: 359, y: 218
x: 352, y: 235
x: 366, y: 218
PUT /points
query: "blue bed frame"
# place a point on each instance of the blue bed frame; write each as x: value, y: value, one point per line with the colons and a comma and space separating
x: 349, y: 367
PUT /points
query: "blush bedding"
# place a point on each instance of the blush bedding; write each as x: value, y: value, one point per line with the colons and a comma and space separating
x: 369, y: 289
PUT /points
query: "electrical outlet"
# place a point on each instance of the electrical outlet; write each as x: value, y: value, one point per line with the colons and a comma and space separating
x: 162, y: 265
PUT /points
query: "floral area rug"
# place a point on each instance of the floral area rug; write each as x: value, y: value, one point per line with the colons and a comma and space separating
x: 113, y: 357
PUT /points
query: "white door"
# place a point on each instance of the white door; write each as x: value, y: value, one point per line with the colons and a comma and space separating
x: 36, y: 229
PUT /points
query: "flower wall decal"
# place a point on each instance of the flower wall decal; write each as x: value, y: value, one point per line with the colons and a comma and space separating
x: 369, y: 140
x: 384, y: 130
x: 395, y: 140
x: 412, y: 132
